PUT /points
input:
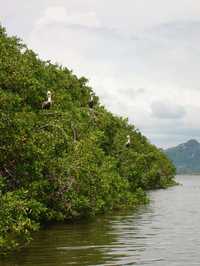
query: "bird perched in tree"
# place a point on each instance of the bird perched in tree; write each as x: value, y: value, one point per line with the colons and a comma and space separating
x: 128, y: 142
x: 91, y: 101
x: 47, y: 104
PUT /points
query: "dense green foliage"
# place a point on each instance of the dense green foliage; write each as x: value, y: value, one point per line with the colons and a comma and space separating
x: 186, y: 157
x: 66, y: 162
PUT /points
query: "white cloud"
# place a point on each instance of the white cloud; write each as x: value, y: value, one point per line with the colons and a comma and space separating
x: 167, y: 110
x: 59, y: 14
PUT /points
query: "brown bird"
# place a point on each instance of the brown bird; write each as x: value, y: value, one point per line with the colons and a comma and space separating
x: 47, y: 104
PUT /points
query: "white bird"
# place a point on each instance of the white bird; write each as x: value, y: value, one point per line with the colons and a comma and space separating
x: 91, y: 102
x: 128, y: 142
x: 47, y: 104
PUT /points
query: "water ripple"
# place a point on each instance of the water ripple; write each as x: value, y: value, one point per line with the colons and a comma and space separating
x: 165, y: 232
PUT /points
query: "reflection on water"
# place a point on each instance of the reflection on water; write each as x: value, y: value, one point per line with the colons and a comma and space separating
x: 166, y: 232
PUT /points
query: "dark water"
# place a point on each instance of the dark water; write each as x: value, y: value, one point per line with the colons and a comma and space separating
x: 166, y: 232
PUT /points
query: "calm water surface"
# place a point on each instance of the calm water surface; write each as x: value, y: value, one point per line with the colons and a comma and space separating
x: 166, y: 232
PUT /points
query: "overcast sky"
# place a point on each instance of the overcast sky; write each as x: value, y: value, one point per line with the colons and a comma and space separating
x: 142, y: 57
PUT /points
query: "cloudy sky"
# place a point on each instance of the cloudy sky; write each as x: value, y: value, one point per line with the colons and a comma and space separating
x: 142, y: 57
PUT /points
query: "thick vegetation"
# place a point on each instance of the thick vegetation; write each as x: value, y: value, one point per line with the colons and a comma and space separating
x: 66, y: 162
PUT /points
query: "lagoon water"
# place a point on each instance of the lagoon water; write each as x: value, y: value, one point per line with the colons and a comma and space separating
x: 164, y: 233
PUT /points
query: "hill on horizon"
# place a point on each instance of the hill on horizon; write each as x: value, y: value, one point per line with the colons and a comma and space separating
x: 186, y: 157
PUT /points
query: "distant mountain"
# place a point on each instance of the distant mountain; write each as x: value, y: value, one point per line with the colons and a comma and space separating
x: 186, y: 157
